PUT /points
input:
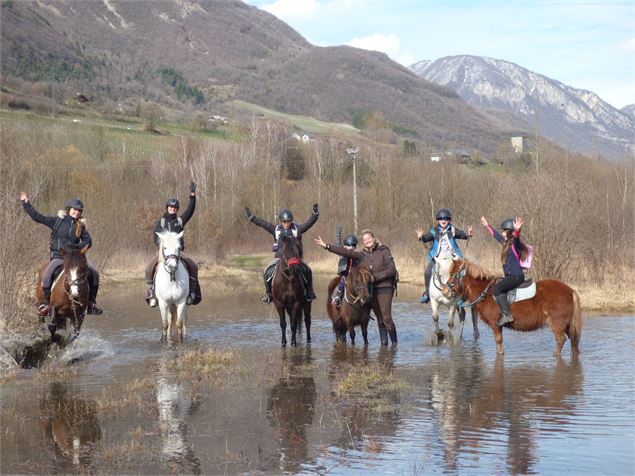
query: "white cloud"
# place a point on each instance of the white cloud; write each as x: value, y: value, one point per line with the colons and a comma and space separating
x: 627, y: 46
x: 289, y: 10
x: 388, y: 44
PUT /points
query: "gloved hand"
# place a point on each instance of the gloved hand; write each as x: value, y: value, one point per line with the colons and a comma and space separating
x: 192, y: 187
x: 339, y: 229
x: 249, y: 214
x: 315, y: 208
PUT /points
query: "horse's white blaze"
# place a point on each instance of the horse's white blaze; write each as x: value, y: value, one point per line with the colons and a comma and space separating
x: 74, y: 288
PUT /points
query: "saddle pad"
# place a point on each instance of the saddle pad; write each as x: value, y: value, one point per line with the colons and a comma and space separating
x: 521, y: 293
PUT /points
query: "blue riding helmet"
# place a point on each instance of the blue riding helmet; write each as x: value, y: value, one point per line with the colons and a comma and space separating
x: 172, y: 202
x: 75, y: 203
x: 444, y: 214
x: 285, y: 215
x: 351, y: 240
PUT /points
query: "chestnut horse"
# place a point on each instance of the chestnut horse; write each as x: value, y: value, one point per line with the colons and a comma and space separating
x: 355, y: 307
x: 555, y: 305
x: 69, y: 294
x: 288, y: 289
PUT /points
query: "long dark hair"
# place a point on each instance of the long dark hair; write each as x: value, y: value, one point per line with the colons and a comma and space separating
x: 521, y: 248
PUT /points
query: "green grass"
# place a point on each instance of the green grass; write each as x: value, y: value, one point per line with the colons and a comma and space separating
x: 305, y: 123
x: 248, y: 261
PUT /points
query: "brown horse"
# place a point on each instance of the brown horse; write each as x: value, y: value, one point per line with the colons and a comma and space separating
x: 288, y: 289
x: 355, y: 307
x: 69, y: 294
x: 555, y: 305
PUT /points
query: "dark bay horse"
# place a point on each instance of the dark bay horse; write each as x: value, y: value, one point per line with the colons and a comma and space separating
x: 355, y: 307
x: 288, y: 290
x: 69, y: 294
x: 555, y: 305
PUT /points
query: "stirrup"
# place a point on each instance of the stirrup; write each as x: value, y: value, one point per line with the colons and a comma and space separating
x: 152, y: 302
x: 265, y: 299
x: 504, y: 319
x: 43, y: 310
x: 425, y: 298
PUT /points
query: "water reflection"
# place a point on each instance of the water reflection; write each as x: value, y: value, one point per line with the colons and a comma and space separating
x: 474, y: 407
x: 291, y: 407
x: 175, y: 405
x: 365, y: 420
x: 69, y: 429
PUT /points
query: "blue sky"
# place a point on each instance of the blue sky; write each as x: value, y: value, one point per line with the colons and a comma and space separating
x: 584, y: 44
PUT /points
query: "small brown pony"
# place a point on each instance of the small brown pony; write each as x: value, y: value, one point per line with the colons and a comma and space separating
x: 555, y: 305
x: 288, y: 290
x: 355, y: 307
x: 69, y: 294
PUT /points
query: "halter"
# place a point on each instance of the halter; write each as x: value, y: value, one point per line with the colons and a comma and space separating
x: 458, y: 277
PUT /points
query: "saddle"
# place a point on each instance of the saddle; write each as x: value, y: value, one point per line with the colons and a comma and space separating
x: 526, y: 290
x: 272, y: 269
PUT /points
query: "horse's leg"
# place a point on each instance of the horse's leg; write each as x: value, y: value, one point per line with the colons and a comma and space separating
x: 559, y: 334
x: 351, y: 332
x: 498, y: 337
x: 165, y: 320
x: 181, y: 316
x: 77, y: 325
x: 365, y: 332
x: 435, y: 318
x: 307, y: 321
x: 53, y: 325
x: 283, y: 323
x: 477, y: 334
x: 296, y: 313
x: 451, y: 311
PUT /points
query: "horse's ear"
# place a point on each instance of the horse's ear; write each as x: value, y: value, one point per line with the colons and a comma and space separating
x: 84, y: 250
x: 159, y: 234
x: 180, y: 235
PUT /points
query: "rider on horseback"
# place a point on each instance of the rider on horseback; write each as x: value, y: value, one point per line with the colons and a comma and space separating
x: 344, y: 265
x: 443, y: 236
x: 68, y: 230
x: 174, y: 223
x: 289, y: 228
x: 514, y: 251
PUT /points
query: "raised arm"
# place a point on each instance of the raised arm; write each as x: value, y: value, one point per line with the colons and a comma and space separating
x: 311, y: 221
x: 338, y: 250
x: 264, y: 224
x: 34, y: 214
x: 491, y: 230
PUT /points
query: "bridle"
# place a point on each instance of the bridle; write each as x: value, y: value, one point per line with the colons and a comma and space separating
x: 172, y: 256
x: 456, y: 281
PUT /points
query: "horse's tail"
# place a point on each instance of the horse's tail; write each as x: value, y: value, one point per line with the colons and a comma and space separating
x: 575, y: 328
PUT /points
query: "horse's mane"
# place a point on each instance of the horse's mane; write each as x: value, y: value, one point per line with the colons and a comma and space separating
x: 73, y: 257
x: 476, y: 270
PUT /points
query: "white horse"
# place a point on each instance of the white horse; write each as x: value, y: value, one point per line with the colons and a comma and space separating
x: 440, y: 277
x: 171, y: 284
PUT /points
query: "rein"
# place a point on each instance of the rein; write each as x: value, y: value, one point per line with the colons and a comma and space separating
x: 460, y: 302
x: 177, y: 258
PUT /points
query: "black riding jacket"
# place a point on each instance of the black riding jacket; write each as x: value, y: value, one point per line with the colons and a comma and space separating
x: 175, y: 223
x: 65, y: 231
x: 271, y: 228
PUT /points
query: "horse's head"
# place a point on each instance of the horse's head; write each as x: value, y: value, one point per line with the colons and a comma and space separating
x: 75, y: 266
x: 290, y: 251
x: 170, y: 249
x: 456, y: 269
x: 359, y: 281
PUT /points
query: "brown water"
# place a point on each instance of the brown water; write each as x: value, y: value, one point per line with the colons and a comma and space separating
x: 456, y: 408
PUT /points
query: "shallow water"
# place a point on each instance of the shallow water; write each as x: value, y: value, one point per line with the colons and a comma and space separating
x: 460, y: 408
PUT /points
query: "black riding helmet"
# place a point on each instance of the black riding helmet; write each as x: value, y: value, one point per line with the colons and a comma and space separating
x: 507, y: 224
x: 172, y: 202
x: 285, y: 215
x: 75, y: 203
x: 351, y: 240
x: 444, y: 214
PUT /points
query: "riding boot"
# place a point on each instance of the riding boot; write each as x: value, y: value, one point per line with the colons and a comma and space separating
x: 266, y: 298
x: 195, y: 292
x: 383, y: 336
x: 427, y: 275
x: 93, y: 308
x: 506, y: 312
x: 424, y: 298
x: 393, y: 335
x: 150, y: 298
x: 43, y: 307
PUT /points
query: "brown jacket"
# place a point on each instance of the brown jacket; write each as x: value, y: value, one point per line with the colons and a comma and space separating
x: 379, y: 261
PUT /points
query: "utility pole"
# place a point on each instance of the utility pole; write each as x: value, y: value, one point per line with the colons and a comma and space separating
x: 352, y: 152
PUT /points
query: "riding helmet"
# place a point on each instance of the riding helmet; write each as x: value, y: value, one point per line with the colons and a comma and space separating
x: 507, y: 224
x: 285, y: 215
x: 172, y: 202
x: 75, y: 203
x: 444, y: 214
x: 351, y: 240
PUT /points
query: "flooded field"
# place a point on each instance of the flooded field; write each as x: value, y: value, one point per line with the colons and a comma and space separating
x: 230, y: 400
